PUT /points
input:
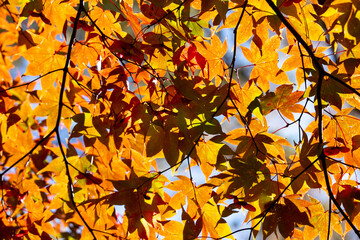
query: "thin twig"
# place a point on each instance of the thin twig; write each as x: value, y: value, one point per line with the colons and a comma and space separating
x: 28, y: 83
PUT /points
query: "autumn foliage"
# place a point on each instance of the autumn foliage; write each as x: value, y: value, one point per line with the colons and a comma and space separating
x: 168, y: 119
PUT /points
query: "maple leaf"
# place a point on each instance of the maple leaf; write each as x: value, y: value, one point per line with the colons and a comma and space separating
x: 285, y: 217
x: 265, y: 61
x: 283, y: 100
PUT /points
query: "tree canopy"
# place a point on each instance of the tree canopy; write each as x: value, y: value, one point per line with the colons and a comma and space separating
x: 154, y: 119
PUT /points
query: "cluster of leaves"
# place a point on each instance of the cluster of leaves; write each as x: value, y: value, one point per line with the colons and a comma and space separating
x: 122, y: 104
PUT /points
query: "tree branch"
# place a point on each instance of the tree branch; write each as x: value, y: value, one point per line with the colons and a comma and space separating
x: 321, y: 73
x: 58, y: 120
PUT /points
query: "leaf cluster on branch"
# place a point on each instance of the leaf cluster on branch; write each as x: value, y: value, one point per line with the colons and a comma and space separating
x: 154, y: 119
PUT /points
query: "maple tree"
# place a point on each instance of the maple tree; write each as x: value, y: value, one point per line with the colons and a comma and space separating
x: 135, y: 119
